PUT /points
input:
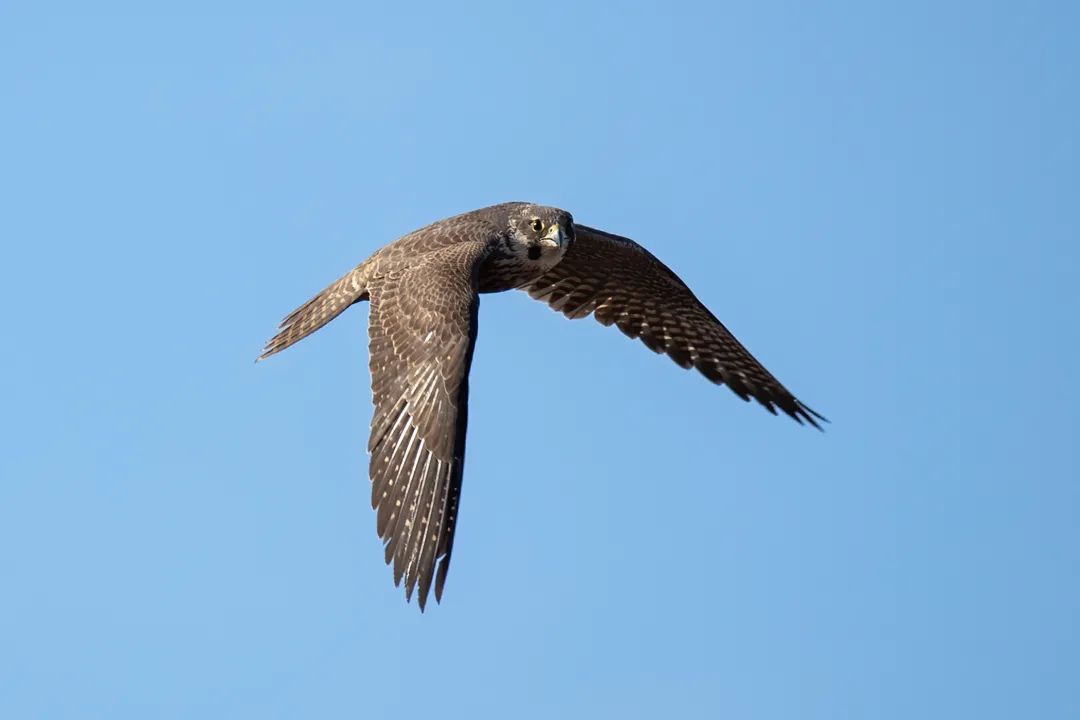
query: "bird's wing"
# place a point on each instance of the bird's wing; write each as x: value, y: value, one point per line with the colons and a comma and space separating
x: 319, y: 310
x: 622, y: 283
x: 422, y: 329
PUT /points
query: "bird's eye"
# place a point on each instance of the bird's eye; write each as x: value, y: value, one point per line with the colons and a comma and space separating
x: 537, y: 225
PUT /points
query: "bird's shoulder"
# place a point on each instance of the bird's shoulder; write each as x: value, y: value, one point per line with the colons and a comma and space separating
x: 418, y: 245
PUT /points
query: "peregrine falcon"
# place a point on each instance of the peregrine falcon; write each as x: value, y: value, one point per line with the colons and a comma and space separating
x: 424, y: 292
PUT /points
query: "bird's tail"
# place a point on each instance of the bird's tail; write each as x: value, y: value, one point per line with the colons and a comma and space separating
x: 319, y: 310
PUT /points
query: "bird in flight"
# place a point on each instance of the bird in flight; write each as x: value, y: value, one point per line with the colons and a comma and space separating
x: 424, y: 292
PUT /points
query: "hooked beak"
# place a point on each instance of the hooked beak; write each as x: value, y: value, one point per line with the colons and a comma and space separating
x: 554, y: 237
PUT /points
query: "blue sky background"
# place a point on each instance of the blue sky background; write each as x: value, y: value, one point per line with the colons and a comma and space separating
x: 881, y: 201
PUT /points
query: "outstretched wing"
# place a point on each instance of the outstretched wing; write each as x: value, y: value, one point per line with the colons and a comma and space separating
x: 621, y: 283
x: 422, y: 329
x: 319, y: 310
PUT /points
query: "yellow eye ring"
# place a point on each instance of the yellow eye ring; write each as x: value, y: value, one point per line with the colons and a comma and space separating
x: 537, y: 225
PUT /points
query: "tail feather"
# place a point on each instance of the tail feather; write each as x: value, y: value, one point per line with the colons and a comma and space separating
x: 319, y: 310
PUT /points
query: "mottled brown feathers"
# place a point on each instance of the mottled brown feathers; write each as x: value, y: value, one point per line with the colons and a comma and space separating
x: 621, y: 283
x: 424, y: 290
x: 421, y: 333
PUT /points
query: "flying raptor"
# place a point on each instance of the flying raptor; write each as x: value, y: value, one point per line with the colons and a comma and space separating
x: 424, y: 293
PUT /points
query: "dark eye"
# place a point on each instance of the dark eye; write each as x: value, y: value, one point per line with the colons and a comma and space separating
x: 537, y: 225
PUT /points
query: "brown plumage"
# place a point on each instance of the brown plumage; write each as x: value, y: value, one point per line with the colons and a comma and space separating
x: 424, y: 289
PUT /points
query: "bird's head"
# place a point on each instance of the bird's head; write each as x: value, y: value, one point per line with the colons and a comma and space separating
x: 541, y: 233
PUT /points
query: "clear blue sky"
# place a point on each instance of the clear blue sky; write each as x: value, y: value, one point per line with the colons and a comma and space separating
x: 880, y: 201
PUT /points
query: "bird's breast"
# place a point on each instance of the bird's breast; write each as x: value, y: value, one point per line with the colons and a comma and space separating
x: 506, y: 270
x: 499, y: 274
